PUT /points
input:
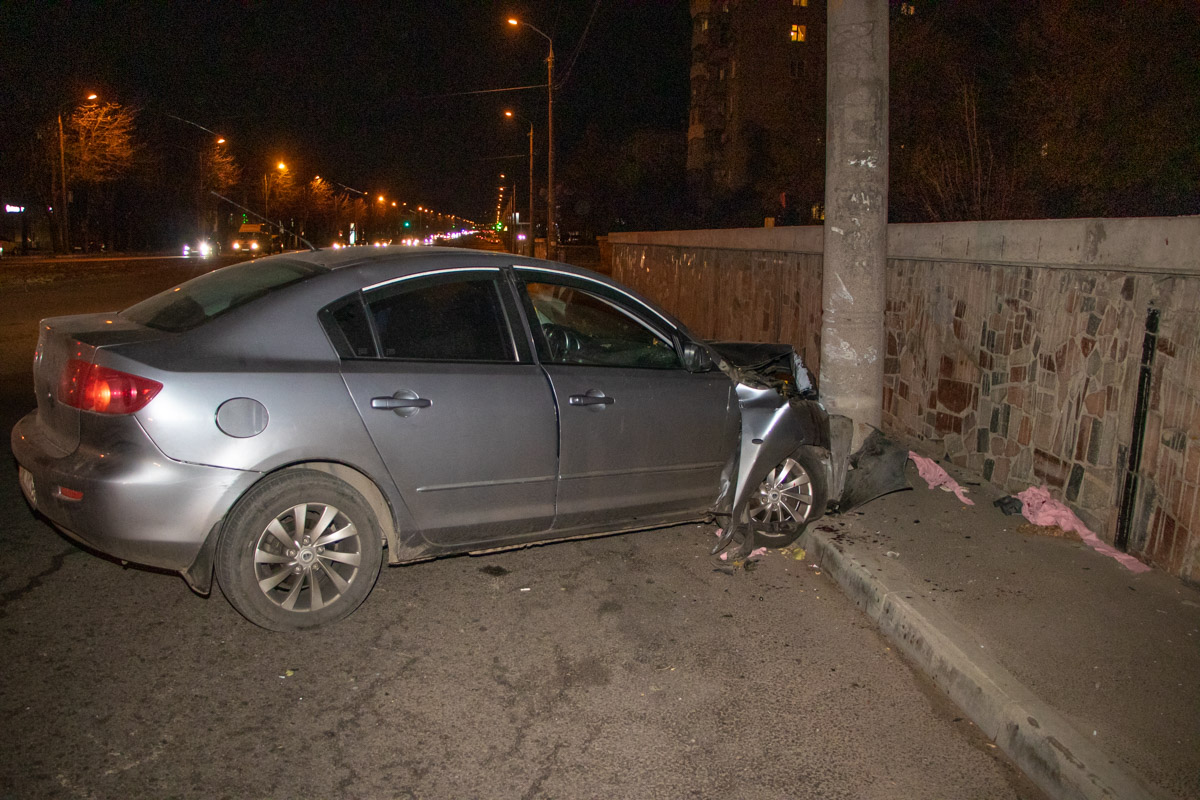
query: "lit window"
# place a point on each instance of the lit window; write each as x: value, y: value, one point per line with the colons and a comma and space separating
x: 799, y: 32
x: 802, y: 3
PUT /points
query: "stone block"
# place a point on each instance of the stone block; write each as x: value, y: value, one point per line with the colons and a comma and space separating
x: 1049, y: 468
x: 1096, y: 445
x: 1097, y: 494
x: 1025, y: 431
x: 1073, y: 483
x: 955, y: 396
x: 1022, y: 468
x: 947, y: 423
x: 1043, y: 430
x: 1000, y: 473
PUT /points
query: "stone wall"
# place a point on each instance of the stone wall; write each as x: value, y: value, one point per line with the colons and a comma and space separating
x: 1013, y: 348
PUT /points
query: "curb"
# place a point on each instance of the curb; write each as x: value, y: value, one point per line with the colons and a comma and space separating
x: 1043, y: 744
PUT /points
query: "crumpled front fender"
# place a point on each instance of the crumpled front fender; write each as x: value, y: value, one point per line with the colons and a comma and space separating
x: 773, y: 427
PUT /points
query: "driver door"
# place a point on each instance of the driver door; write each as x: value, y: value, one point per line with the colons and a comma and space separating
x: 641, y: 439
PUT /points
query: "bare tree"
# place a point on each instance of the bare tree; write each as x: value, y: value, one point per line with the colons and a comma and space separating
x: 957, y: 174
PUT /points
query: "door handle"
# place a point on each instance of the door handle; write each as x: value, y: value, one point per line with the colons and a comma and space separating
x: 390, y: 403
x: 402, y: 403
x: 590, y: 400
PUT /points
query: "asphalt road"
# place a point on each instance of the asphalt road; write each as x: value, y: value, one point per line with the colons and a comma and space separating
x: 628, y: 666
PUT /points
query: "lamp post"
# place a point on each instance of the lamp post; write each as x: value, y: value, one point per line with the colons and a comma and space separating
x: 550, y: 233
x: 62, y: 166
x: 511, y: 115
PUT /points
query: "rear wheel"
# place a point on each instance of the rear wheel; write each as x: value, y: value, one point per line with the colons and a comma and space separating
x: 789, y: 497
x: 301, y: 549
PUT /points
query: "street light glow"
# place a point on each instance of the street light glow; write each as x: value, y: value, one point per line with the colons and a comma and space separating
x: 282, y: 166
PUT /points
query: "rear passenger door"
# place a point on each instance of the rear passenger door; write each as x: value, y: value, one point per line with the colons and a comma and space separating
x: 460, y: 413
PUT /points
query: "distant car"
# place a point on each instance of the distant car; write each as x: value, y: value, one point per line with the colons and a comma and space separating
x: 285, y: 421
x: 202, y: 248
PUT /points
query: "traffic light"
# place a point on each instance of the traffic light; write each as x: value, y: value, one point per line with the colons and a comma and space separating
x: 408, y: 223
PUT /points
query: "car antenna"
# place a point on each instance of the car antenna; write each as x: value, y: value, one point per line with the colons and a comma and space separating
x: 312, y: 247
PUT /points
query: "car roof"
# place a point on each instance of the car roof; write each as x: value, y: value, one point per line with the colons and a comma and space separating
x: 423, y: 257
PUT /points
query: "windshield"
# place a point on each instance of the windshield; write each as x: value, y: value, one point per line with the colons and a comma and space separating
x: 191, y: 304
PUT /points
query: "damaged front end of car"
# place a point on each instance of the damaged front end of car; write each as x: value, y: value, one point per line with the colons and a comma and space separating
x: 793, y: 457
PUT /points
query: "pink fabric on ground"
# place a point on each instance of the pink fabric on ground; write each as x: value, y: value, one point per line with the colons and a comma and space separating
x: 1041, y: 509
x: 937, y: 478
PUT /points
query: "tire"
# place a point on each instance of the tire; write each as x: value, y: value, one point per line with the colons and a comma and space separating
x: 792, y: 495
x: 282, y: 579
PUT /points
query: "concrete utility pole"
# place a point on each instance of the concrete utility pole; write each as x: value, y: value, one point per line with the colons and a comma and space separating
x: 856, y: 200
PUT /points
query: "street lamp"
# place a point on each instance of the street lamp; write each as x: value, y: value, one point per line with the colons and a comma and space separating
x: 511, y: 115
x: 62, y: 166
x: 550, y: 234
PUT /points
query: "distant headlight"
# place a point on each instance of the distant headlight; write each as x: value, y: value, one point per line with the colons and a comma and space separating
x: 254, y: 245
x: 237, y: 245
x: 205, y: 249
x: 187, y: 249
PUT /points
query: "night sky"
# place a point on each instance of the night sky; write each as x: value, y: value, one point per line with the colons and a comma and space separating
x: 365, y: 94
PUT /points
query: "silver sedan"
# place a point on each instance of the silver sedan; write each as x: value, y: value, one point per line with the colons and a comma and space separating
x: 287, y: 423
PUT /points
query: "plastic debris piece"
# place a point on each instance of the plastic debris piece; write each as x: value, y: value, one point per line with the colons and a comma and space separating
x: 525, y: 589
x: 757, y: 552
x: 1042, y: 509
x: 1010, y: 505
x: 799, y: 555
x: 892, y: 554
x: 937, y: 478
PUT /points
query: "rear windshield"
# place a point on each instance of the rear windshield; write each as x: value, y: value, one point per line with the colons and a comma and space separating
x: 191, y: 304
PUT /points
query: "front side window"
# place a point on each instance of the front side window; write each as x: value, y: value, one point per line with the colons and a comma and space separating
x: 799, y: 33
x: 581, y: 327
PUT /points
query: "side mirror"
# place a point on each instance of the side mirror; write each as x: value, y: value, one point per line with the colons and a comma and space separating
x: 696, y: 358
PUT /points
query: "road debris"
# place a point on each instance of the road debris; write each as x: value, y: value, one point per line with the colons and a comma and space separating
x: 1042, y: 509
x: 937, y: 478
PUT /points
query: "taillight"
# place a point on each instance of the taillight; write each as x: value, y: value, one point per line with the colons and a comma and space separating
x: 89, y: 387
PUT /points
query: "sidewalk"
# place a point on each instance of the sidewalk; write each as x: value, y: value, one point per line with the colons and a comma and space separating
x: 1086, y: 674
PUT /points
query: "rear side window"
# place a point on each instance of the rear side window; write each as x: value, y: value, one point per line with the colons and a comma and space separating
x: 191, y: 304
x: 458, y: 320
x: 438, y: 318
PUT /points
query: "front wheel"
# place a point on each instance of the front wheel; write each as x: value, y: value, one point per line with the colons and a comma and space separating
x: 301, y: 549
x: 792, y: 495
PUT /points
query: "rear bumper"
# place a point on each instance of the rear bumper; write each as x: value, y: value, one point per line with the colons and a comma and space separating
x: 122, y: 496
